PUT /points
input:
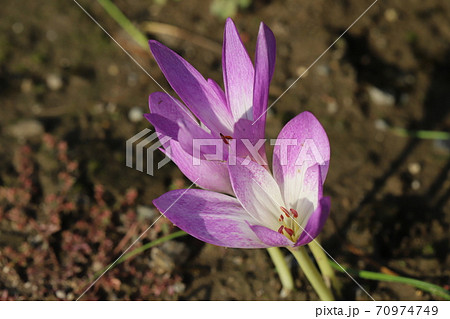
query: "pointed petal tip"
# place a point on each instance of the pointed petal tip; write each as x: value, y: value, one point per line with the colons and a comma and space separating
x: 228, y: 21
x: 153, y: 42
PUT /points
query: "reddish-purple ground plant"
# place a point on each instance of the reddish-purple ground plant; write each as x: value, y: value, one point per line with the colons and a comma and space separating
x: 61, y: 232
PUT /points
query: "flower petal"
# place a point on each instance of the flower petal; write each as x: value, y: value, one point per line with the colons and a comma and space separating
x: 291, y: 162
x: 238, y: 73
x: 218, y: 90
x: 305, y: 199
x: 257, y: 191
x: 270, y: 237
x: 198, y: 143
x: 211, y: 217
x: 212, y: 175
x: 165, y: 105
x: 250, y: 142
x: 264, y: 67
x: 315, y: 222
x: 193, y: 89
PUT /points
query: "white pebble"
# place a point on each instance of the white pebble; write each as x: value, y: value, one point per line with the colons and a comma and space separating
x: 381, y: 125
x: 54, y: 82
x: 380, y: 97
x: 60, y: 294
x: 414, y: 168
x: 135, y: 114
x: 415, y: 185
x: 391, y: 15
x: 113, y: 70
x: 302, y: 71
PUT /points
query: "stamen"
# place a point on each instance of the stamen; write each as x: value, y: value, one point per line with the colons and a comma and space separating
x: 289, y: 231
x: 281, y: 218
x: 294, y: 213
x: 280, y: 230
x: 225, y: 138
x: 285, y: 211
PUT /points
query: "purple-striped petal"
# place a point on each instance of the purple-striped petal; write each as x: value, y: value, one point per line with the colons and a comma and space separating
x: 257, y: 191
x: 302, y: 143
x: 193, y: 89
x: 212, y: 175
x: 166, y: 111
x: 163, y: 125
x: 316, y: 222
x: 270, y: 237
x: 210, y: 217
x: 165, y: 105
x: 238, y: 73
x: 197, y: 142
x: 264, y: 67
x: 250, y: 142
x: 220, y: 93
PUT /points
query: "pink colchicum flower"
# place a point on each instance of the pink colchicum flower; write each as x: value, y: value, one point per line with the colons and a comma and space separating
x: 226, y: 115
x: 286, y: 209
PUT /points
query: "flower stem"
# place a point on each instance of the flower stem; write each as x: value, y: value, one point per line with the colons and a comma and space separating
x: 325, y: 267
x: 311, y: 272
x: 283, y: 270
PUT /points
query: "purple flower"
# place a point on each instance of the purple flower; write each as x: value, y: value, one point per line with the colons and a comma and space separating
x: 286, y: 209
x: 223, y: 115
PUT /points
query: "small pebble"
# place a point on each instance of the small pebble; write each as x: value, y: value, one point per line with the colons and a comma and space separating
x: 415, y: 185
x: 132, y: 79
x: 179, y: 287
x: 60, y: 294
x: 111, y: 107
x: 113, y: 70
x: 135, y: 114
x: 54, y: 82
x: 323, y: 70
x: 381, y: 125
x: 391, y: 15
x: 332, y: 106
x: 26, y: 129
x: 301, y: 71
x: 17, y: 27
x: 380, y: 97
x: 146, y: 213
x: 26, y: 86
x: 414, y: 168
x: 98, y: 108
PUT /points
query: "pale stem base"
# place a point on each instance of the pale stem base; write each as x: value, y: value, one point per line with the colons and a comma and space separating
x: 283, y: 270
x: 311, y: 272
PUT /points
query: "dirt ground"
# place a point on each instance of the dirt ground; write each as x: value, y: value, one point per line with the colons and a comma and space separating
x: 70, y: 98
